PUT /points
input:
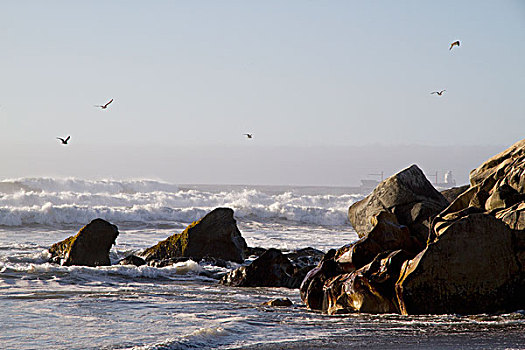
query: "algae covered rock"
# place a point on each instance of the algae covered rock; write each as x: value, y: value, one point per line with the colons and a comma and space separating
x: 89, y: 247
x: 215, y: 235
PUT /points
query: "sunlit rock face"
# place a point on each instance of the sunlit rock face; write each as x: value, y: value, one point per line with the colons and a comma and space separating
x: 475, y: 259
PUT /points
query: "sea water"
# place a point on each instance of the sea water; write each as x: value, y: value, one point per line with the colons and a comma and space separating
x: 46, y: 306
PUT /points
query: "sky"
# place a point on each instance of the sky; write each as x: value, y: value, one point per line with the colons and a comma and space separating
x: 331, y: 90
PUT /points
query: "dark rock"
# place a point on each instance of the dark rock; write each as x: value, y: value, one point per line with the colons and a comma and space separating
x: 132, y: 260
x: 89, y: 247
x: 452, y: 193
x: 282, y: 302
x: 311, y: 288
x: 408, y: 195
x: 272, y: 269
x: 215, y: 235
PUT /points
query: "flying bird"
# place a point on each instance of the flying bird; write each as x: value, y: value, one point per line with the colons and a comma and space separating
x: 104, y: 106
x: 455, y: 43
x: 438, y: 92
x: 249, y: 135
x: 64, y: 142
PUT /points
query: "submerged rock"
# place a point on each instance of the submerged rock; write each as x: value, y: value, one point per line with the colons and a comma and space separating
x: 215, y: 235
x: 89, y: 247
x: 281, y: 302
x: 132, y: 260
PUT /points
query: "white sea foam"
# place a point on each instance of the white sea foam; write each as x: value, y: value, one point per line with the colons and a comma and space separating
x: 85, y: 272
x: 48, y: 201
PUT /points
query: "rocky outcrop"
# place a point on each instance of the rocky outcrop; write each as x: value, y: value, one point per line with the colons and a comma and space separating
x: 474, y: 262
x: 360, y: 277
x: 89, y: 247
x: 215, y: 235
x: 409, y: 196
x: 271, y: 269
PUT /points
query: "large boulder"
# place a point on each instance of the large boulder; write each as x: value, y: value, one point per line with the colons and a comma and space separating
x: 409, y: 196
x: 271, y: 269
x: 89, y: 247
x: 215, y: 235
x: 470, y: 268
x: 475, y: 259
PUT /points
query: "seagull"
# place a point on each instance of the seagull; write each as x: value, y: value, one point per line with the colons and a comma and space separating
x: 455, y: 43
x: 249, y: 135
x: 64, y: 142
x: 106, y: 105
x: 438, y: 92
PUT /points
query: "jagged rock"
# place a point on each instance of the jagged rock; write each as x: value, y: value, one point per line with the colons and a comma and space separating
x: 132, y: 260
x: 311, y: 288
x: 387, y: 235
x: 369, y: 289
x: 272, y: 269
x: 215, y: 235
x: 452, y: 193
x: 470, y: 268
x: 281, y: 302
x: 89, y: 247
x: 508, y: 164
x: 409, y: 196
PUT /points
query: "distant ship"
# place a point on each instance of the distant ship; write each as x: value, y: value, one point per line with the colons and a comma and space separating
x: 448, y: 181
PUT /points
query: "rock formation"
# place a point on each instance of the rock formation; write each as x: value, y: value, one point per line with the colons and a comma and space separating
x: 421, y: 253
x: 474, y: 262
x: 215, y: 235
x: 89, y: 247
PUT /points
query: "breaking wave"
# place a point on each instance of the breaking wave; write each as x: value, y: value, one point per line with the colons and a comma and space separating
x: 46, y: 201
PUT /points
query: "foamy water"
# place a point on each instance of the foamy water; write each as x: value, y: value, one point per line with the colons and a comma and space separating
x: 54, y: 202
x: 47, y: 306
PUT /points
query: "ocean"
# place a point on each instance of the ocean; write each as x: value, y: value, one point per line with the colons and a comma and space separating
x: 46, y: 306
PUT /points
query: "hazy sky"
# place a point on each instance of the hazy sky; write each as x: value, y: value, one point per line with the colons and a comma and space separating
x: 315, y: 81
